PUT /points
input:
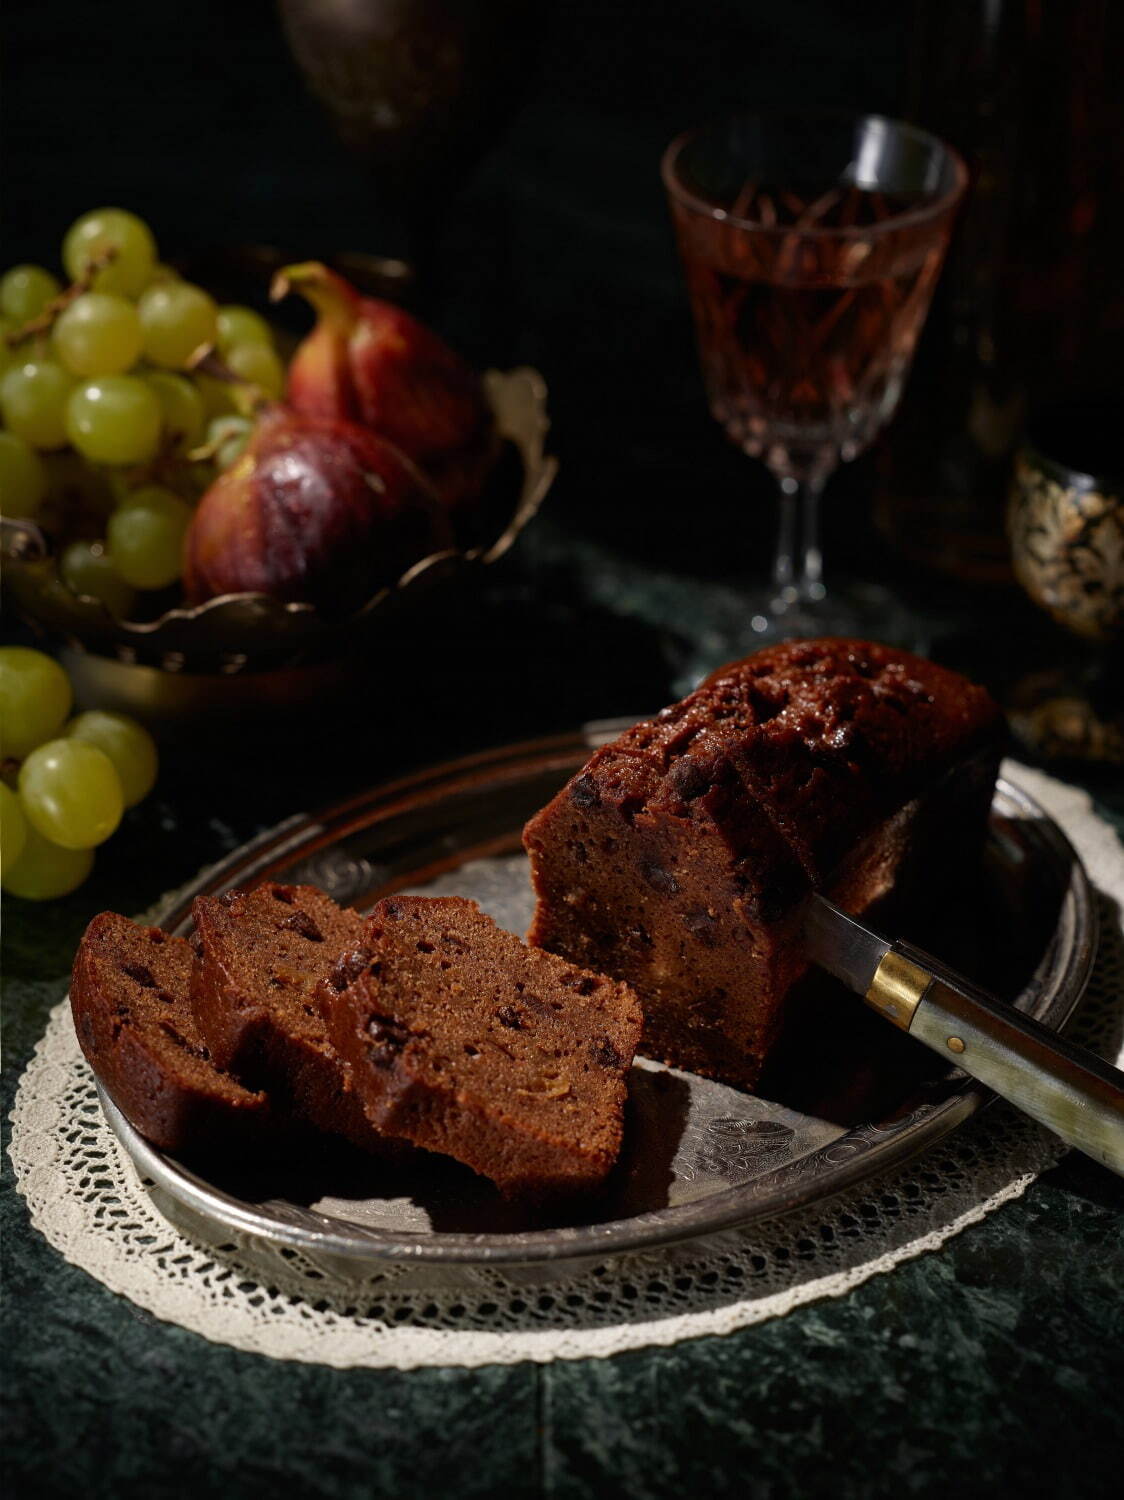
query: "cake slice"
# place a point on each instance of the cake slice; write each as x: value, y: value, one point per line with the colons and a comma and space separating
x: 129, y: 995
x: 680, y: 857
x: 260, y: 955
x: 464, y: 1040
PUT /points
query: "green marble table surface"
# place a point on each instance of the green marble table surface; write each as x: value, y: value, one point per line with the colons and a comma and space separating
x: 994, y: 1366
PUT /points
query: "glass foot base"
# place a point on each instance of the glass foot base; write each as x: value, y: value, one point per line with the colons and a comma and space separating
x: 857, y: 609
x: 744, y: 623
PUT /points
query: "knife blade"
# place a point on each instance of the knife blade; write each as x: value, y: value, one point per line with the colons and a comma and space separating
x: 840, y: 943
x: 1066, y: 1088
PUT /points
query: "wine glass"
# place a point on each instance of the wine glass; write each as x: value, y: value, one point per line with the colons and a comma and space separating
x: 811, y: 248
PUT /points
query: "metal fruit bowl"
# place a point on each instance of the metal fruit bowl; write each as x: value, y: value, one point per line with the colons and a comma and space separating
x: 237, y: 634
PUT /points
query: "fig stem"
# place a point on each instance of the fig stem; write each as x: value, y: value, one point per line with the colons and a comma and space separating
x: 331, y: 296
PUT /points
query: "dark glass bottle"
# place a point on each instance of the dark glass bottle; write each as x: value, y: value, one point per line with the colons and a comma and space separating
x: 1030, y: 308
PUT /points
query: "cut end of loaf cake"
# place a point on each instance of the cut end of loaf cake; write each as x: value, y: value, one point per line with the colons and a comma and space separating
x: 678, y: 858
x: 129, y: 996
x: 464, y: 1040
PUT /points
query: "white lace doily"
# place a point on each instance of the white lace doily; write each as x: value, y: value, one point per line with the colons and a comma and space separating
x: 85, y: 1197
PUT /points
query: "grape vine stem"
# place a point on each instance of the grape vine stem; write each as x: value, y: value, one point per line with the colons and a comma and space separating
x: 43, y: 322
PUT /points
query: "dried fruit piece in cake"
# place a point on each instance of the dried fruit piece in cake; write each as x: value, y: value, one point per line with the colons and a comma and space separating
x: 260, y: 955
x: 129, y: 994
x: 464, y: 1040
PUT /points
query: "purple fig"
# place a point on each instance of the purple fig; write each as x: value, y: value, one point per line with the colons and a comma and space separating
x: 315, y: 509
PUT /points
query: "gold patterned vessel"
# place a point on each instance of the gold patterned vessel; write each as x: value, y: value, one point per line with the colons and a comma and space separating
x: 1067, y: 544
x: 1065, y: 520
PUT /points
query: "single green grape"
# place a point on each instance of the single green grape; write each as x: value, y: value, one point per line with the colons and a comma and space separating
x: 230, y: 434
x: 45, y: 870
x: 130, y: 270
x: 182, y: 408
x: 35, y: 699
x: 162, y: 273
x: 70, y: 793
x: 25, y: 292
x: 13, y: 829
x: 114, y: 420
x: 177, y: 319
x: 153, y: 497
x: 86, y: 568
x: 242, y: 325
x: 145, y: 537
x: 23, y: 479
x: 33, y: 397
x: 98, y: 334
x: 218, y: 396
x: 260, y: 364
x: 129, y: 746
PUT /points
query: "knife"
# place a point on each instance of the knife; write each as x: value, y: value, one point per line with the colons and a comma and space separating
x: 1062, y: 1086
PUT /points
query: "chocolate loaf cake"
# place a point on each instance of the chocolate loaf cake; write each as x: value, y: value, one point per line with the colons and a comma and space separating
x: 465, y: 1041
x: 129, y: 996
x: 679, y: 858
x: 260, y: 955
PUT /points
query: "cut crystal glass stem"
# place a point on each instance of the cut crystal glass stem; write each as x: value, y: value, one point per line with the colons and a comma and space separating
x: 798, y: 561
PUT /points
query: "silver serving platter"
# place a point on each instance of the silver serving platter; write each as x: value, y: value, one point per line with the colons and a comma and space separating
x: 854, y: 1098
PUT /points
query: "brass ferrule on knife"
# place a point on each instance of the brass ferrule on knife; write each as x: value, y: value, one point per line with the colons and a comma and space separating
x: 898, y: 987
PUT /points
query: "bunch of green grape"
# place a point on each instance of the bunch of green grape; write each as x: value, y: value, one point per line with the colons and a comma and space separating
x: 101, y: 410
x: 65, y: 782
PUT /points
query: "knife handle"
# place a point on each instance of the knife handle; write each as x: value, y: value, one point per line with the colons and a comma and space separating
x: 1064, y: 1087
